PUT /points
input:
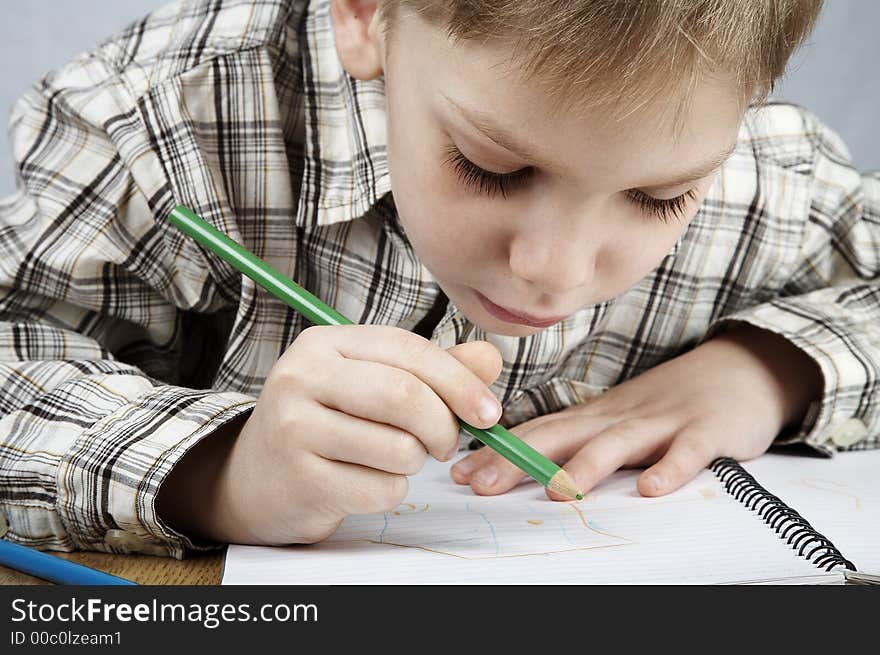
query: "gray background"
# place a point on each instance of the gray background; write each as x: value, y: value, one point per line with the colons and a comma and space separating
x: 835, y: 74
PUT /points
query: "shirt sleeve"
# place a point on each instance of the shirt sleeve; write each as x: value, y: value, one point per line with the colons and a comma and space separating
x: 830, y: 307
x: 102, y: 333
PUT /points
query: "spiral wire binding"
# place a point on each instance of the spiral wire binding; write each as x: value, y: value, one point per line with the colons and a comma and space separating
x: 786, y: 522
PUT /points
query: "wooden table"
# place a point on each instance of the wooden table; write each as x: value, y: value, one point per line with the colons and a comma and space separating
x: 145, y: 569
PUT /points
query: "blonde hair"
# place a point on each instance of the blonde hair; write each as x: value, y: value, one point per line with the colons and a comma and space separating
x: 625, y: 53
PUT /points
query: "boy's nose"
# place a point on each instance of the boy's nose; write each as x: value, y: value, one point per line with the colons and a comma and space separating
x: 553, y: 263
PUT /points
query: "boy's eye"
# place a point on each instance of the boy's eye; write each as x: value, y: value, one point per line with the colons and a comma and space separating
x: 492, y: 183
x: 482, y: 180
x: 664, y: 209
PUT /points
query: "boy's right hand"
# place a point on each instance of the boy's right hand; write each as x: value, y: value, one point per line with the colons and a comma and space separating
x: 345, y: 415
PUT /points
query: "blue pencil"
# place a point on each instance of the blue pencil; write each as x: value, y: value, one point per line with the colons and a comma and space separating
x: 54, y: 569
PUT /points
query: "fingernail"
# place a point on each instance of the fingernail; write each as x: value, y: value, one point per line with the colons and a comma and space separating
x: 489, y: 410
x: 486, y: 476
x: 655, y: 481
x: 464, y: 467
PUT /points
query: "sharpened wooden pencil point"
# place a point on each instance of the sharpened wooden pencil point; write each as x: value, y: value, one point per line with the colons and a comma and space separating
x: 562, y: 483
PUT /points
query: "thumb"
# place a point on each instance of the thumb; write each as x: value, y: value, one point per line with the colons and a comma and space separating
x: 481, y: 357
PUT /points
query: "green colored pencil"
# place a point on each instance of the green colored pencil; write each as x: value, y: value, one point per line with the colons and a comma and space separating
x: 499, y: 439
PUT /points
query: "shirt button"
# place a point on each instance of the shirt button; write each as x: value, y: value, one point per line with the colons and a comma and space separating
x: 4, y: 525
x: 124, y: 541
x: 849, y: 432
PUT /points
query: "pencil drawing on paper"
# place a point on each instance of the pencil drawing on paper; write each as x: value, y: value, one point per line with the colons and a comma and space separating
x: 480, y: 528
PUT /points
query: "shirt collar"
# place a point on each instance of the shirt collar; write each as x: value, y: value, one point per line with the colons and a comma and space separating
x: 345, y: 168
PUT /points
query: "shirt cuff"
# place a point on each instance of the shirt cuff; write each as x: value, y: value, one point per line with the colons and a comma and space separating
x: 841, y: 418
x: 108, y: 481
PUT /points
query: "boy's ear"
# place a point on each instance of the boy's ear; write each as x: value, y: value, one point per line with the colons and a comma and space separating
x: 358, y: 37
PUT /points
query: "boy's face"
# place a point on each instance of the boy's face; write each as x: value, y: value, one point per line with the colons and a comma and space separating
x: 579, y: 222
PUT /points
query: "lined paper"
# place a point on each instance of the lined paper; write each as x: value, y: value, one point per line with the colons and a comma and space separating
x: 444, y: 534
x: 840, y: 498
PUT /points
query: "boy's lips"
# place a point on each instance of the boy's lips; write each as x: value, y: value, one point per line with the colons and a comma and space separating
x: 515, y: 316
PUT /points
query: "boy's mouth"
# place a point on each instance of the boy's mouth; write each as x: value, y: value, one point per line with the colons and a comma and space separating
x: 515, y: 316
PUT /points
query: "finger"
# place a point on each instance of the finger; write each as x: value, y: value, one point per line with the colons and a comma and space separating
x: 481, y: 357
x: 619, y: 444
x: 385, y: 394
x: 355, y: 489
x: 556, y: 441
x: 347, y: 438
x: 464, y: 468
x: 459, y: 387
x: 689, y: 453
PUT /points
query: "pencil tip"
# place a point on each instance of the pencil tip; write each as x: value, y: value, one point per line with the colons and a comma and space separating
x: 562, y: 484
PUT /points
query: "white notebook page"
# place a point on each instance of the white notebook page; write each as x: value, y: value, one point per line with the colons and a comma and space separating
x: 444, y: 534
x: 840, y: 498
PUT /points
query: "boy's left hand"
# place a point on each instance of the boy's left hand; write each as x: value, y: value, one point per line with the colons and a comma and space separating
x: 730, y: 396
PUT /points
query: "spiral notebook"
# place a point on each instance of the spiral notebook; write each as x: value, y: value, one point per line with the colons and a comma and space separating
x: 780, y: 518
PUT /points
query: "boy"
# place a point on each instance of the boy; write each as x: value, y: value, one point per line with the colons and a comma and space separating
x: 588, y: 227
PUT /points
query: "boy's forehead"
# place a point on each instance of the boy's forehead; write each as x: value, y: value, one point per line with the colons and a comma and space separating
x: 481, y: 89
x: 501, y: 68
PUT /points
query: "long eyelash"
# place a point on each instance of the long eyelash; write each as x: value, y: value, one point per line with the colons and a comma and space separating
x: 662, y: 209
x: 484, y: 181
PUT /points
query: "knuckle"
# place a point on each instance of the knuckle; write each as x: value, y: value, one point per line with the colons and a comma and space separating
x: 408, y: 391
x: 414, y: 345
x: 628, y: 429
x: 696, y: 446
x: 287, y: 376
x: 393, y: 493
x: 408, y: 453
x: 311, y: 335
x: 675, y: 469
x: 303, y: 358
x: 319, y: 341
x: 468, y: 385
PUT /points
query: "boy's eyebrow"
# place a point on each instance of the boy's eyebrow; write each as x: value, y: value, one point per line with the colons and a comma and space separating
x: 505, y: 139
x: 498, y: 134
x: 697, y: 172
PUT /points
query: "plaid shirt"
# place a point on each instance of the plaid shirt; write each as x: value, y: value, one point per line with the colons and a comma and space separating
x: 123, y: 343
